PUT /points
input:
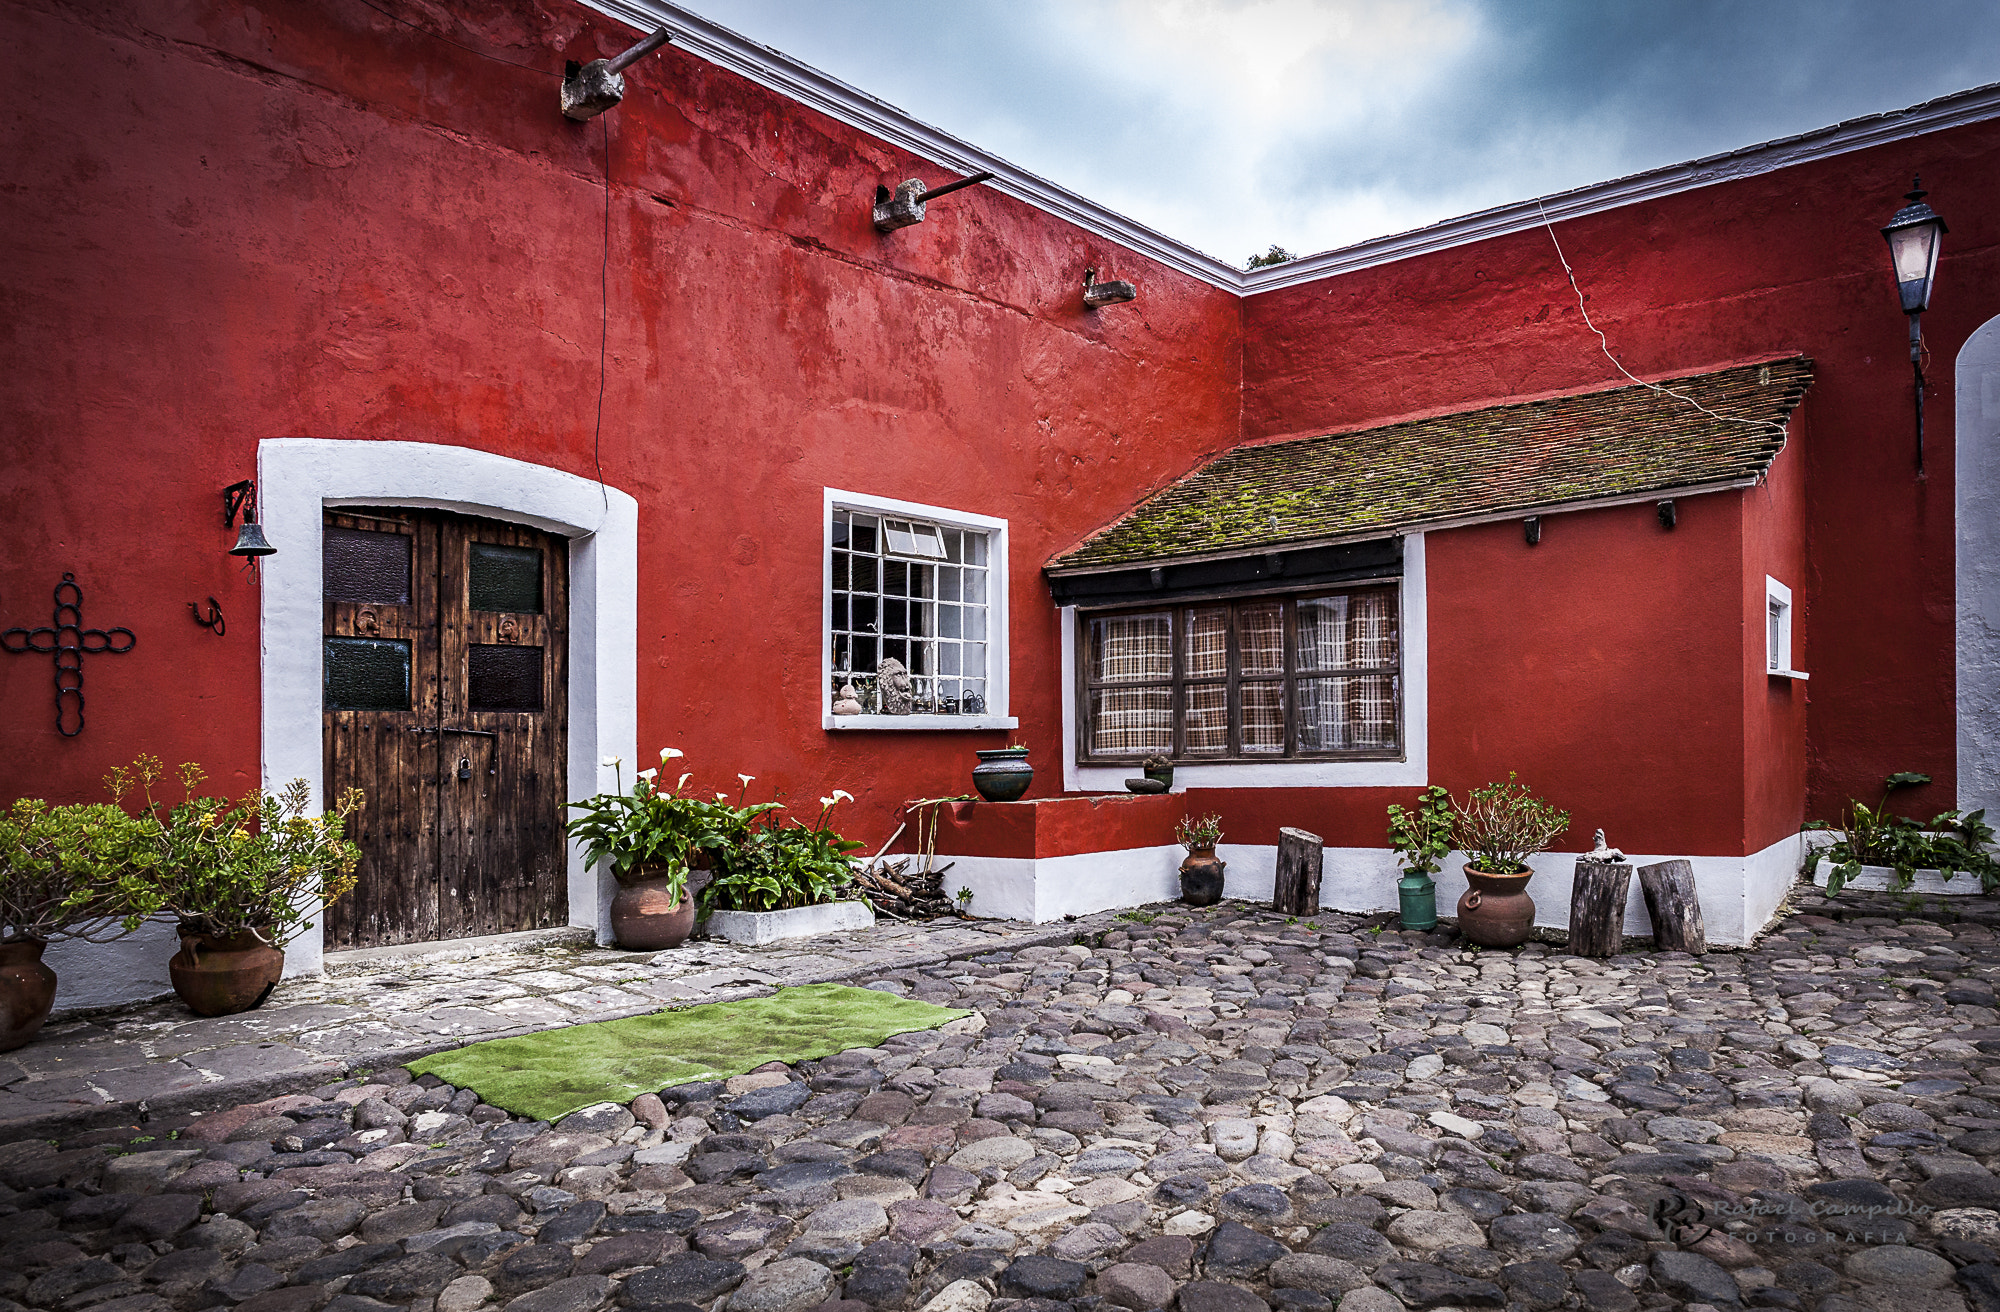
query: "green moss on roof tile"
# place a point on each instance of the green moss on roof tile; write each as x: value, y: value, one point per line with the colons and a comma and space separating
x: 1501, y: 460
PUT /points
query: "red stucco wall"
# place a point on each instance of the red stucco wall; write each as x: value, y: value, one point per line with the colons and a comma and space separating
x: 1787, y: 261
x: 309, y: 220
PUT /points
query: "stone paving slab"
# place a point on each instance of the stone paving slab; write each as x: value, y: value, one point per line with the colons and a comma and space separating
x: 381, y: 1008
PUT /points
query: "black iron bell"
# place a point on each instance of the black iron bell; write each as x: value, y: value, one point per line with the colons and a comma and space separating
x: 251, y: 541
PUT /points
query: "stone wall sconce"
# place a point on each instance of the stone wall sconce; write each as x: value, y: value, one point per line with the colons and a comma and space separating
x: 905, y: 206
x: 1097, y: 295
x: 590, y: 89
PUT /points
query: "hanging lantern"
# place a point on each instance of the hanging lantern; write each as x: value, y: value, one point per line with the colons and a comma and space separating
x: 1913, y: 236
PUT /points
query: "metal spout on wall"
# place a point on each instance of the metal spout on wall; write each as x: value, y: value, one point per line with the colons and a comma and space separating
x: 590, y: 89
x: 905, y: 206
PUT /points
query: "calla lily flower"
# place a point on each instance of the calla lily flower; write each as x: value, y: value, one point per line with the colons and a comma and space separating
x: 612, y: 762
x: 647, y: 774
x: 684, y: 781
x: 669, y: 753
x: 843, y: 795
x: 747, y: 779
x: 722, y: 797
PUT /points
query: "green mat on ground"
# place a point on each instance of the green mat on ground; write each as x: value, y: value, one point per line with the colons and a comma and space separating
x: 552, y: 1074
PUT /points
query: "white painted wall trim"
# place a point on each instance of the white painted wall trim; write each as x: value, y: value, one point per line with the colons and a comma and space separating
x: 999, y: 644
x: 1413, y: 770
x: 1977, y: 505
x: 847, y: 104
x: 297, y: 478
x: 1049, y: 888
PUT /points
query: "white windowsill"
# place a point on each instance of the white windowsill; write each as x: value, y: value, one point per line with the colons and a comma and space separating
x: 958, y: 722
x: 1788, y: 674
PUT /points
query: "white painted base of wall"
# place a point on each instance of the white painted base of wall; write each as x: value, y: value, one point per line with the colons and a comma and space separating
x: 1738, y: 895
x: 1882, y: 879
x: 133, y: 969
x: 753, y: 927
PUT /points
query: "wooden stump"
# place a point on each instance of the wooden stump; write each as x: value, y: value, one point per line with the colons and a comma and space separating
x: 1597, y: 907
x: 1676, y: 911
x: 1297, y: 890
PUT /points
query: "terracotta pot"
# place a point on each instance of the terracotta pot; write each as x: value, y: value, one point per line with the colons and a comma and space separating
x: 1003, y: 773
x: 1496, y: 912
x: 1201, y: 877
x: 222, y: 976
x: 645, y: 917
x: 27, y: 991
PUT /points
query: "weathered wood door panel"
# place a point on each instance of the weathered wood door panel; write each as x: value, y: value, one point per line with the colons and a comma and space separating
x: 445, y: 699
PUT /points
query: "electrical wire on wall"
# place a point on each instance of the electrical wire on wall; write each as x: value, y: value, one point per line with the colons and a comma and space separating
x: 1604, y: 344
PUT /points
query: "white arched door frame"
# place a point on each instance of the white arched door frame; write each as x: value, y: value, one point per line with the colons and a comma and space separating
x: 298, y: 478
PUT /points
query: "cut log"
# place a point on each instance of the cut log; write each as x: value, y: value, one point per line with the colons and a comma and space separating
x: 1296, y: 892
x: 1676, y: 911
x: 1597, y: 907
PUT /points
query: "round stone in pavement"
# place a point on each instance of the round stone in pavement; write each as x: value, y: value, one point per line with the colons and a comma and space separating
x: 774, y: 1101
x: 1237, y: 1251
x: 576, y: 1294
x: 682, y: 1278
x: 1214, y: 1296
x: 1135, y: 1285
x: 1326, y: 1275
x: 1041, y: 1276
x: 1539, y: 1284
x: 1352, y: 1242
x: 1371, y: 1300
x: 1431, y: 1231
x: 1533, y: 1235
x: 531, y: 1266
x: 1695, y: 1279
x: 791, y: 1285
x: 159, y: 1216
x: 1255, y: 1202
x: 1899, y: 1264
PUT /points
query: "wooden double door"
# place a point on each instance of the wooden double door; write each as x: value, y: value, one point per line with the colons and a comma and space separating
x: 444, y: 701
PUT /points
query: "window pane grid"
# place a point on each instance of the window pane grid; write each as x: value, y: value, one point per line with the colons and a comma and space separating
x: 1258, y: 679
x: 930, y: 614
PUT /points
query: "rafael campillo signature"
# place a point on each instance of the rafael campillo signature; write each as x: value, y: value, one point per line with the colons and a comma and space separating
x: 1685, y: 1221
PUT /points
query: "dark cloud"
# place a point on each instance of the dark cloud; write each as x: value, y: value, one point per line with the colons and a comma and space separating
x: 1548, y: 95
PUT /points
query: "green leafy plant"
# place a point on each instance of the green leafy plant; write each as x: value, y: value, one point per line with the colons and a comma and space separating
x: 777, y: 865
x: 659, y: 833
x: 69, y: 872
x: 1422, y: 835
x: 1948, y: 843
x: 1192, y: 833
x: 1501, y: 825
x: 964, y: 900
x: 258, y: 865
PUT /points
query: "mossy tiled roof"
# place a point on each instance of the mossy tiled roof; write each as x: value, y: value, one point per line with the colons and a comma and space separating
x: 1502, y: 460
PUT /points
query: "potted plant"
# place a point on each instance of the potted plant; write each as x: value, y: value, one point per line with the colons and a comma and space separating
x: 65, y: 872
x: 1885, y: 851
x: 1421, y: 838
x: 651, y: 839
x: 1160, y: 768
x: 1201, y: 873
x: 784, y: 879
x: 1499, y: 827
x: 242, y: 879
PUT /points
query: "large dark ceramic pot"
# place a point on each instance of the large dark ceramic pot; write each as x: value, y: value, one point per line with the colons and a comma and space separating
x: 27, y: 991
x: 222, y: 976
x: 1003, y: 774
x: 646, y: 917
x: 1496, y: 912
x: 1201, y: 877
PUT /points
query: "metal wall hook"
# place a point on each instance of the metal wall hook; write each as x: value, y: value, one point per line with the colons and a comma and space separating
x: 213, y: 621
x: 905, y: 206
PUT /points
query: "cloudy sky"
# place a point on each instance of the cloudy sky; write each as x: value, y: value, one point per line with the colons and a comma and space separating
x: 1234, y: 124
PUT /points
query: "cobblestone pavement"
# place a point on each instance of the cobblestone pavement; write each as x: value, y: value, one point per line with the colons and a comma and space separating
x: 383, y: 1007
x: 1217, y: 1110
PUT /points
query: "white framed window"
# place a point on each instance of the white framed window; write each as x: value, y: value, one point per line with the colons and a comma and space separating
x: 1778, y: 631
x: 914, y: 624
x: 1374, y: 734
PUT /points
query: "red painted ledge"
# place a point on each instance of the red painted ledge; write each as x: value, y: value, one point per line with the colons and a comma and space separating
x: 1059, y: 826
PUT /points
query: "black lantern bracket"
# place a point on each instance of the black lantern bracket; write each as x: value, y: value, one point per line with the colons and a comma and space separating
x: 1914, y: 235
x: 237, y: 497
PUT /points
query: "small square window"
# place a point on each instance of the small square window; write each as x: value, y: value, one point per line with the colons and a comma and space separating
x: 1779, y: 640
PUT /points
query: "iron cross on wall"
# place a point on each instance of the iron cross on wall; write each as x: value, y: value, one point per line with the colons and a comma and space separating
x: 68, y: 641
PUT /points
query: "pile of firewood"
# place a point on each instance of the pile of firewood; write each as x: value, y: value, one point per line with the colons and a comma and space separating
x: 903, y: 889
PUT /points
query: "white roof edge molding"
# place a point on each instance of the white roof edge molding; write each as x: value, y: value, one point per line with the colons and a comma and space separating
x: 837, y: 100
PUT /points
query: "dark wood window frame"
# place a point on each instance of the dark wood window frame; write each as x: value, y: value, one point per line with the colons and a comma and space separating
x: 1178, y: 610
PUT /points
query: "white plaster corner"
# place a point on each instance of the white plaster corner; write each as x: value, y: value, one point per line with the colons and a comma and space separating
x: 298, y: 478
x: 1977, y: 506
